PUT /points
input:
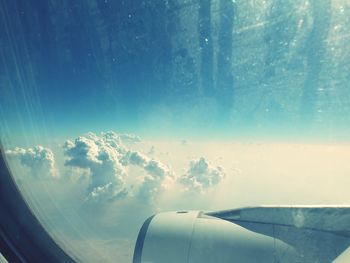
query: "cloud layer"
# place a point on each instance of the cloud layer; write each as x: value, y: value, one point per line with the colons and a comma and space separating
x: 201, y: 175
x: 39, y: 160
x: 108, y: 164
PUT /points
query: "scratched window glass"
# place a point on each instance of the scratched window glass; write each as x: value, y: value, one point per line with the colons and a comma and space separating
x: 113, y: 111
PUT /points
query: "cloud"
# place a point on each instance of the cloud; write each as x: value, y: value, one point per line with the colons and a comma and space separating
x: 152, y: 150
x: 107, y: 159
x: 39, y: 159
x: 107, y: 192
x: 135, y: 158
x: 129, y: 138
x: 156, y: 180
x: 157, y: 169
x: 101, y: 156
x: 157, y: 174
x: 201, y: 175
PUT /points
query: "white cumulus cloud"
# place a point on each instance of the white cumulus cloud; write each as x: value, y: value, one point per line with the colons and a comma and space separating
x: 157, y: 174
x: 155, y: 182
x: 135, y: 158
x: 39, y: 159
x: 107, y: 159
x: 101, y: 155
x: 201, y: 175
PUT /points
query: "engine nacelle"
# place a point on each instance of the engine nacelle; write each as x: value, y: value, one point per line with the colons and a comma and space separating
x: 192, y: 236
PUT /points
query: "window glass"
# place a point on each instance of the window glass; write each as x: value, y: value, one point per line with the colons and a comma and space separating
x: 111, y: 111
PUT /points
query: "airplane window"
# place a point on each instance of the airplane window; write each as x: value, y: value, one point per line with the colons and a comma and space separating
x: 113, y: 111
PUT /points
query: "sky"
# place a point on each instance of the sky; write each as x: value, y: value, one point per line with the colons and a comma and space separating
x: 112, y: 107
x: 192, y: 72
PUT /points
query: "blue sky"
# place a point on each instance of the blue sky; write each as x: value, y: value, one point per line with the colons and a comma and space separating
x: 132, y: 67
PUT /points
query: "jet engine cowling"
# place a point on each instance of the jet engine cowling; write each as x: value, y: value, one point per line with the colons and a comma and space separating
x: 192, y: 236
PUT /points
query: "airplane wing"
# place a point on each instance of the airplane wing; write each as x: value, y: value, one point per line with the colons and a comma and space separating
x: 318, y: 233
